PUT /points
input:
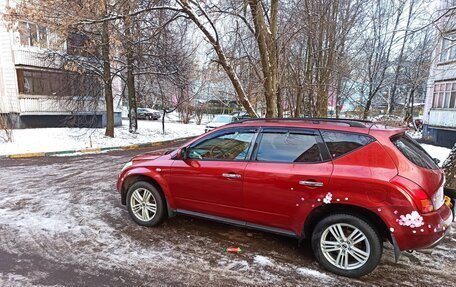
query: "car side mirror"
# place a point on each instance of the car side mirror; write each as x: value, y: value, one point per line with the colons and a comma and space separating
x: 183, y: 153
x: 436, y: 160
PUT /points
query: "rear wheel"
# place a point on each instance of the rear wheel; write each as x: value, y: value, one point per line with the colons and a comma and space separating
x: 346, y: 245
x: 145, y: 204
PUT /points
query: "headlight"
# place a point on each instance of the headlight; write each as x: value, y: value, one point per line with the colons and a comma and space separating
x: 127, y: 165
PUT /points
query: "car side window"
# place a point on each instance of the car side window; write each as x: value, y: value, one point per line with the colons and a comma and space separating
x: 288, y: 147
x: 341, y: 143
x: 229, y: 146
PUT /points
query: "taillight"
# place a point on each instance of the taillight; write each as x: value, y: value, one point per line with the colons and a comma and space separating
x: 416, y: 192
x: 426, y: 206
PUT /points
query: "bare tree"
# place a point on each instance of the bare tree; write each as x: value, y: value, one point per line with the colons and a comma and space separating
x: 376, y: 47
x: 392, y: 94
x: 6, y: 129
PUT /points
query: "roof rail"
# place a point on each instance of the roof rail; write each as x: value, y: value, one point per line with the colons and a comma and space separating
x: 350, y: 122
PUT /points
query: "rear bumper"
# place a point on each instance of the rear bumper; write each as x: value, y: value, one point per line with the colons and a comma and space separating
x: 435, y: 225
x: 445, y: 229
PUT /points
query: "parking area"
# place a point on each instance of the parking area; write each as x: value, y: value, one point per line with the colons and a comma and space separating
x: 62, y: 224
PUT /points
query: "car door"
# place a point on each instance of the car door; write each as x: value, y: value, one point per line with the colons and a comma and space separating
x: 210, y: 179
x: 289, y: 166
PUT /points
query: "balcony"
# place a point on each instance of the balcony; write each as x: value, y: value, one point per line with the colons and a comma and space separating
x: 41, y: 105
x: 442, y: 118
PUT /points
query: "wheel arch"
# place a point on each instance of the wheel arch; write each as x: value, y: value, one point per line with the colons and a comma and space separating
x: 131, y: 179
x: 323, y: 211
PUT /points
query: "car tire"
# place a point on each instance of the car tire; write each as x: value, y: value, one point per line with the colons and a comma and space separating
x: 358, y: 242
x: 146, y: 204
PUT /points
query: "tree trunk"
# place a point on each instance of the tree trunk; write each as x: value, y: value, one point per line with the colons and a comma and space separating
x: 163, y: 120
x: 297, y: 111
x: 105, y: 51
x: 133, y: 116
x: 338, y: 96
x: 128, y: 44
x: 367, y: 108
x: 279, y: 103
x: 267, y: 46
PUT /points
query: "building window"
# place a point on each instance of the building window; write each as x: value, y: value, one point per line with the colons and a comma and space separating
x: 31, y: 35
x: 448, y: 52
x: 444, y: 95
x: 79, y: 45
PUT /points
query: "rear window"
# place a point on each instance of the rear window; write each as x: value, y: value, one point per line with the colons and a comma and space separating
x: 413, y: 151
x: 341, y: 143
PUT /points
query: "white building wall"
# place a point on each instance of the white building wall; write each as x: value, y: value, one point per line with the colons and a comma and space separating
x: 9, y: 101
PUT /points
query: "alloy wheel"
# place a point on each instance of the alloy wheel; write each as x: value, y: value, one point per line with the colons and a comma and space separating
x: 345, y: 246
x: 143, y: 204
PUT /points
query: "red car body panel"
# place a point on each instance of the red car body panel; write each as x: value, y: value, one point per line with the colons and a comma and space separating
x: 199, y: 186
x: 269, y: 194
x: 272, y: 193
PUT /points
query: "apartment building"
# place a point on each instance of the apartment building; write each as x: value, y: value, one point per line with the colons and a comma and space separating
x: 440, y: 107
x: 35, y: 92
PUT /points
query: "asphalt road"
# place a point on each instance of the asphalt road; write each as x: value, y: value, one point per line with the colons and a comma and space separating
x: 62, y: 224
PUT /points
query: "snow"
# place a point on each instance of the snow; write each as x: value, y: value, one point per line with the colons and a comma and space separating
x: 61, y: 139
x: 313, y: 273
x: 415, y: 134
x: 262, y: 260
x: 440, y: 153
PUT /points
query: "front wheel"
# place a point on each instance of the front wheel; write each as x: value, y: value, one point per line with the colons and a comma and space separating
x: 145, y: 204
x: 346, y: 245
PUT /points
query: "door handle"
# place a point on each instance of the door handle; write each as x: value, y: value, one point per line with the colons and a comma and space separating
x: 231, y: 175
x: 311, y: 183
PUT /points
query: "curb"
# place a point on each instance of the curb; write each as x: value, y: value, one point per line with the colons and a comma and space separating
x: 92, y: 150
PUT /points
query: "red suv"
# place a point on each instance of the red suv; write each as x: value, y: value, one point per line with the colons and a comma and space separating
x: 345, y: 185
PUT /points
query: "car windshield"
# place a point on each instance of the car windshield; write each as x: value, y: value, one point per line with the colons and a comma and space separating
x: 222, y: 119
x: 413, y: 151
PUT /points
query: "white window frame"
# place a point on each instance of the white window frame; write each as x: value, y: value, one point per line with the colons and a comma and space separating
x: 448, y: 54
x: 442, y: 93
x: 39, y: 29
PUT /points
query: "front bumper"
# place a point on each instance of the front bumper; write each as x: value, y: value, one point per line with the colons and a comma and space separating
x: 119, y: 183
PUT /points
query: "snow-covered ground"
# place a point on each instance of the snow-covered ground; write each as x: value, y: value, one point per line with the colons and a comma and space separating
x: 438, y: 152
x: 61, y: 139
